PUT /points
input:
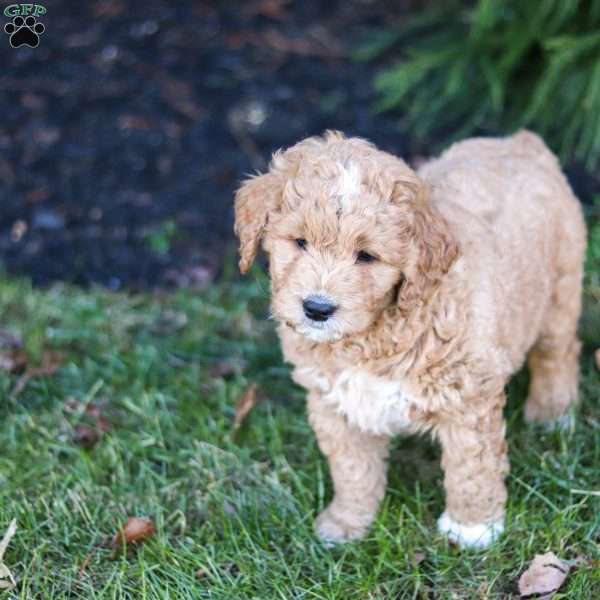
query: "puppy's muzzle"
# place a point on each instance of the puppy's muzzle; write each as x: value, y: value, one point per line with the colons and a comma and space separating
x: 318, y: 308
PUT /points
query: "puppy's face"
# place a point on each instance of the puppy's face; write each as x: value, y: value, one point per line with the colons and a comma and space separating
x: 333, y: 250
x: 337, y: 219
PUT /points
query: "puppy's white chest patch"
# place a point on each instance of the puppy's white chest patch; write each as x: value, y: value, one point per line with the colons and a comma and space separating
x: 370, y: 403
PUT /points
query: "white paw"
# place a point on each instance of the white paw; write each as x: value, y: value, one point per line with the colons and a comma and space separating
x: 470, y: 536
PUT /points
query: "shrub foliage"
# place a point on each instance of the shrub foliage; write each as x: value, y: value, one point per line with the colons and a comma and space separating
x: 497, y: 66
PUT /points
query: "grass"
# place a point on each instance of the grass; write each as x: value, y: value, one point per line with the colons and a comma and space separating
x: 234, y: 514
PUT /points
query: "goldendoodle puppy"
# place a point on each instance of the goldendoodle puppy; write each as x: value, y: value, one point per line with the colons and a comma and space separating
x: 405, y: 300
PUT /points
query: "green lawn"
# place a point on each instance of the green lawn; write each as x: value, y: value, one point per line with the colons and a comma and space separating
x: 234, y: 514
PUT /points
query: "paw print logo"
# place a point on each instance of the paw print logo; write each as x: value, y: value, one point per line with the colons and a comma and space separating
x: 24, y: 32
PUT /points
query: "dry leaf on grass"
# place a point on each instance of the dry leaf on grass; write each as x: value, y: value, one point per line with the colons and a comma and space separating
x: 7, y: 581
x: 135, y: 531
x: 544, y: 577
x: 246, y: 403
x: 51, y: 362
x: 89, y: 432
x: 86, y: 437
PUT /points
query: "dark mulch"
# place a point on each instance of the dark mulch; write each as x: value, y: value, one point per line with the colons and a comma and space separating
x: 124, y: 134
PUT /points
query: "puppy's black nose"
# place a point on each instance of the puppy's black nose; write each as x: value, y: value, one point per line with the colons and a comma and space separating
x: 318, y: 308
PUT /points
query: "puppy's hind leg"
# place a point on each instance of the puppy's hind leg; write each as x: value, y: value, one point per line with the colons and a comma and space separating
x: 553, y: 361
x: 357, y: 462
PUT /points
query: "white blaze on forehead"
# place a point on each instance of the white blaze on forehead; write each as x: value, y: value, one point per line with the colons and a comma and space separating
x: 348, y: 183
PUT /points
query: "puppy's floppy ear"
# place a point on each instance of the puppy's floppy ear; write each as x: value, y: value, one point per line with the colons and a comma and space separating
x: 436, y: 247
x: 254, y: 200
x: 262, y: 195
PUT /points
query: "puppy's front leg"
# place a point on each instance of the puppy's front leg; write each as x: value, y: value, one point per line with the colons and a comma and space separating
x: 475, y: 462
x: 358, y: 465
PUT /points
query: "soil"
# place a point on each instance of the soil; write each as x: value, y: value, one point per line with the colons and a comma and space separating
x: 126, y: 131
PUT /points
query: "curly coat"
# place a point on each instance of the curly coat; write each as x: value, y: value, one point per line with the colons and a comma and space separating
x: 474, y: 265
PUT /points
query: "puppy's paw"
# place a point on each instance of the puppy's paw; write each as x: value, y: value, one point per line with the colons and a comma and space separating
x: 334, y: 528
x: 470, y: 536
x: 538, y: 414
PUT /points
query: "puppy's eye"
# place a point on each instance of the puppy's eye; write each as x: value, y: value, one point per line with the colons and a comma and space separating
x: 301, y: 243
x: 365, y: 257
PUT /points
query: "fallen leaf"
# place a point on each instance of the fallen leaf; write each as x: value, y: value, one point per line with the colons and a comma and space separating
x: 544, y: 577
x: 51, y: 362
x: 246, y: 403
x: 135, y: 531
x: 597, y: 357
x: 87, y: 437
x: 93, y: 425
x: 7, y: 581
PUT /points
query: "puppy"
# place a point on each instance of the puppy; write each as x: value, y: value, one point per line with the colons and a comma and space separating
x: 405, y: 300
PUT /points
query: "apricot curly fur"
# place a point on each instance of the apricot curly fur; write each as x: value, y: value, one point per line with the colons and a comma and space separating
x: 479, y: 259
